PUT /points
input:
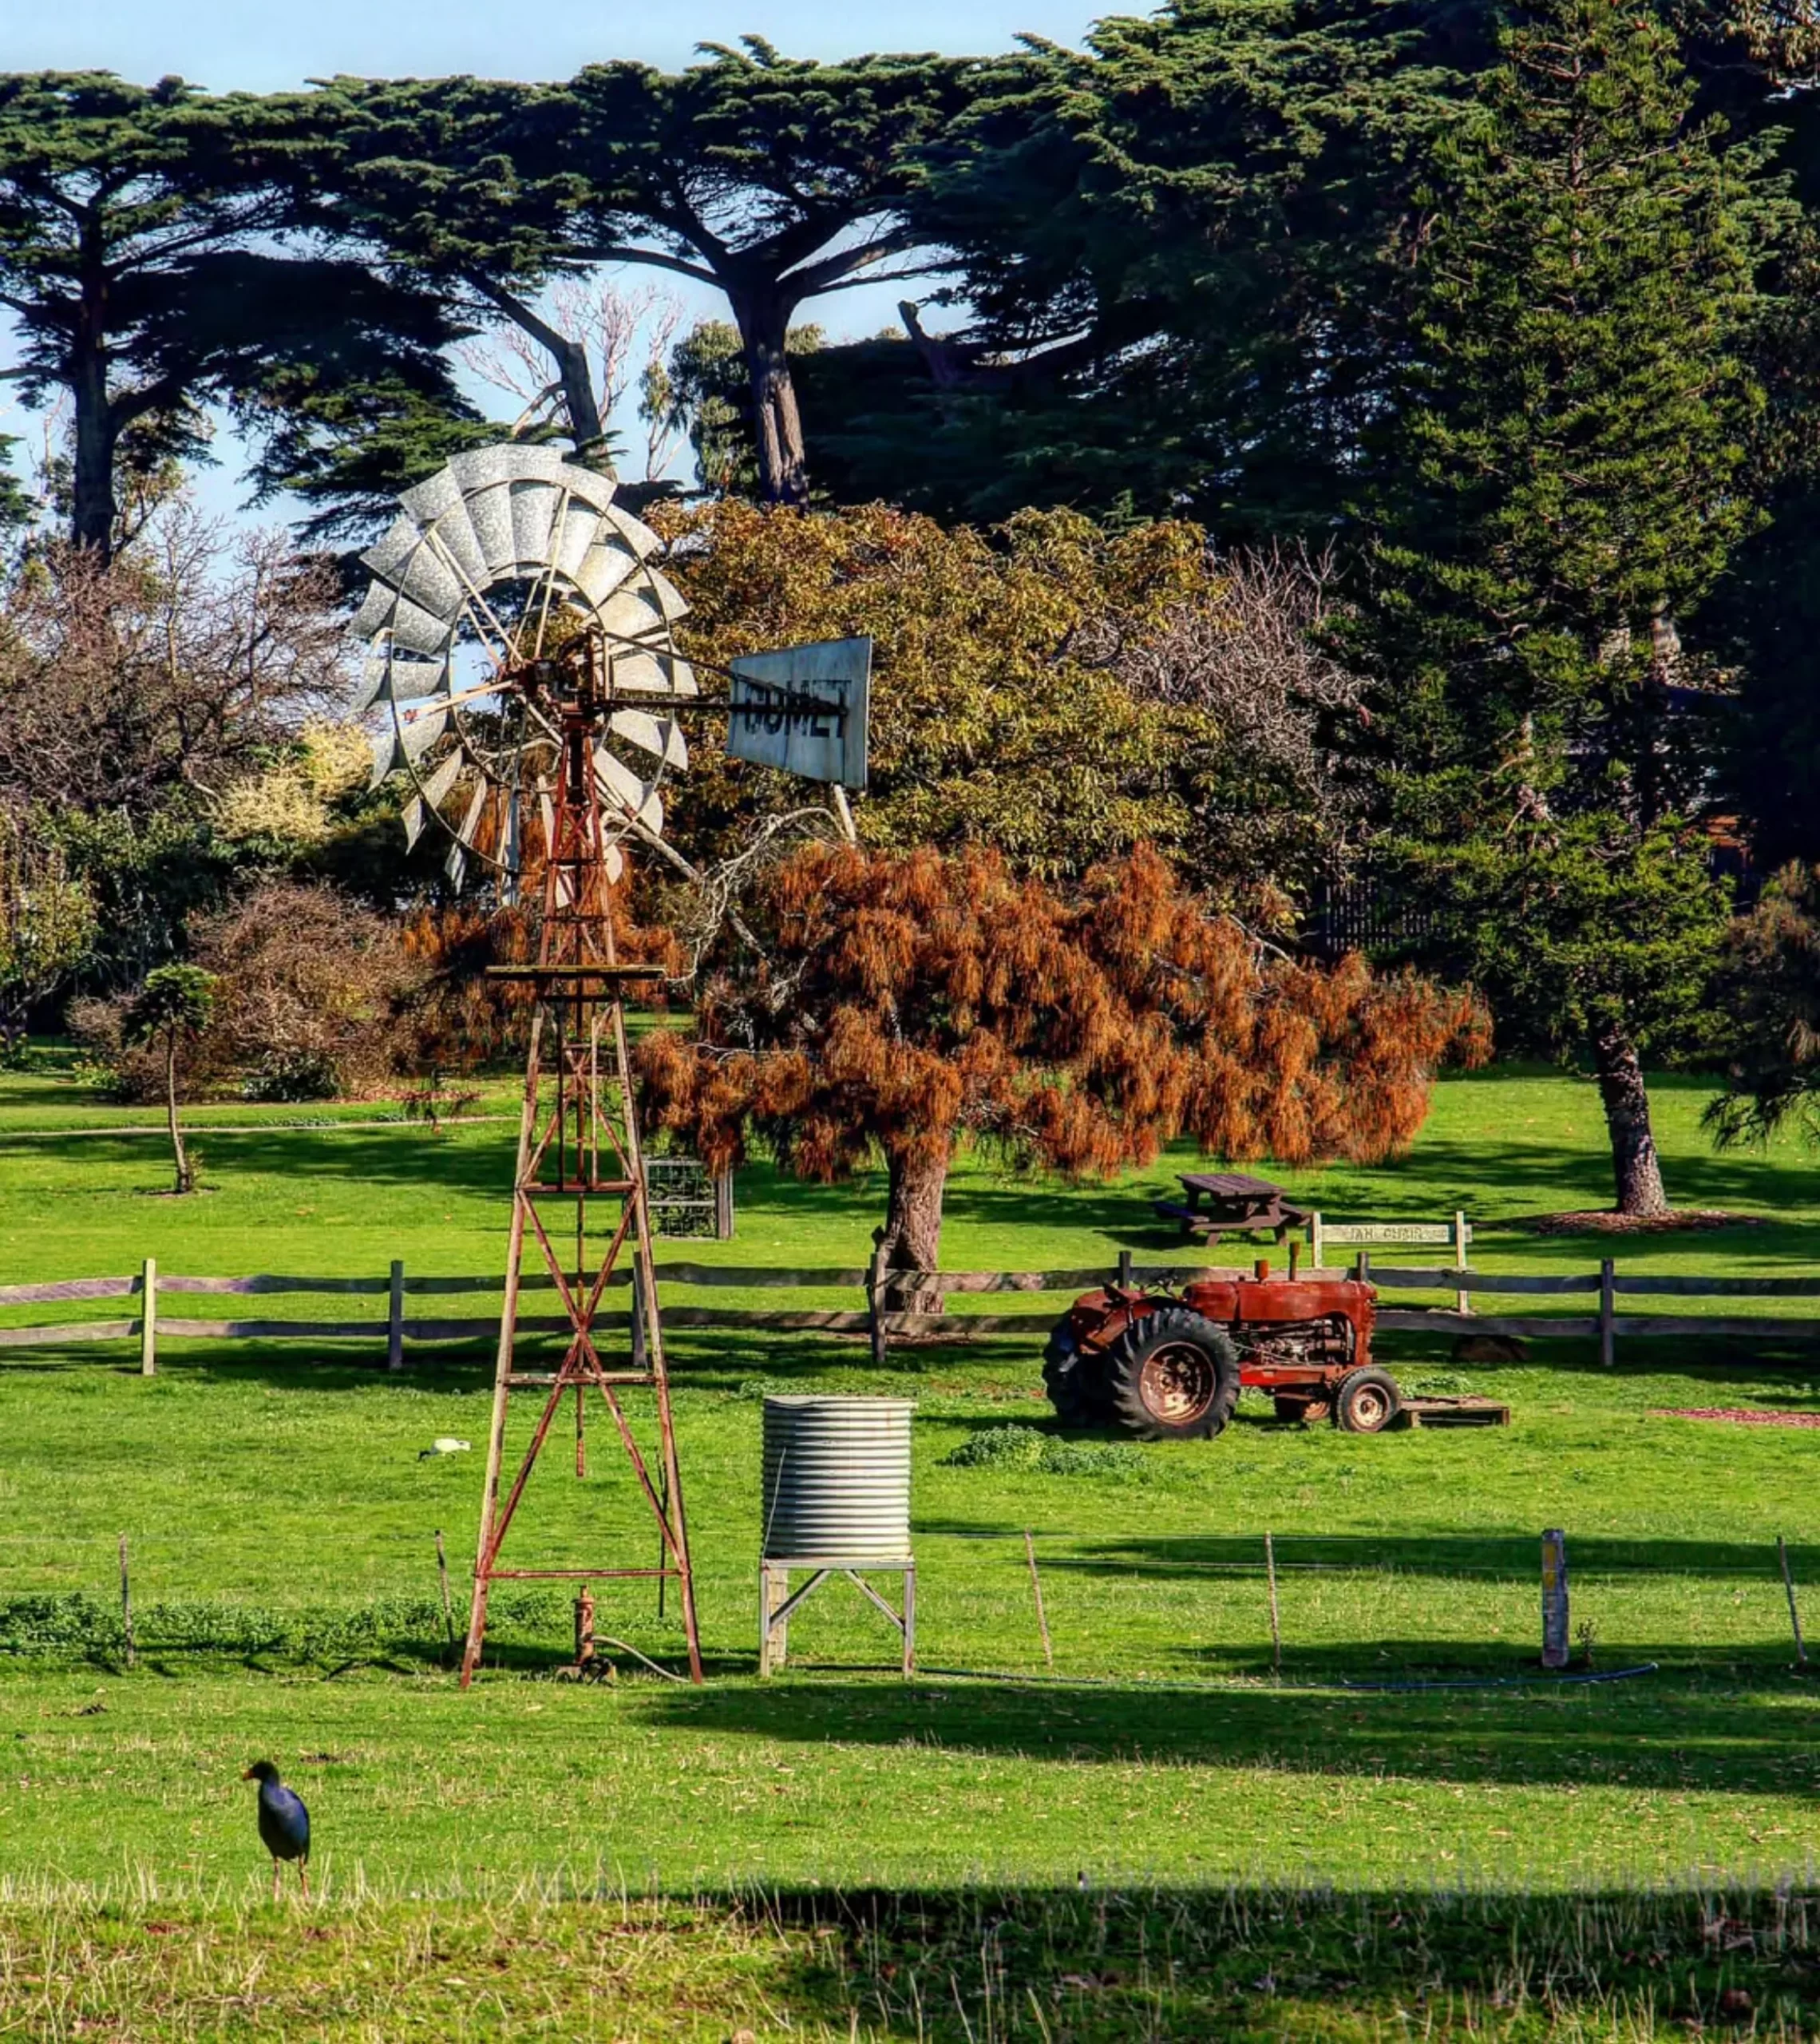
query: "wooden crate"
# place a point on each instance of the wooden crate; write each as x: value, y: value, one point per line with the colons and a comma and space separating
x: 1453, y: 1412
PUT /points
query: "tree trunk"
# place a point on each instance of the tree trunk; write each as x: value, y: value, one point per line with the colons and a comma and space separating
x: 185, y: 1182
x: 92, y: 509
x: 587, y: 428
x: 1634, y: 1163
x: 913, y: 1227
x: 764, y: 322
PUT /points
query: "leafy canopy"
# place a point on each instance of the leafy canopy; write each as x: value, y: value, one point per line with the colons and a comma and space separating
x: 1772, y: 987
x: 1576, y: 413
x: 175, y: 1004
x: 1172, y: 244
x: 998, y: 716
x: 48, y: 920
x: 136, y: 232
x: 1569, y: 449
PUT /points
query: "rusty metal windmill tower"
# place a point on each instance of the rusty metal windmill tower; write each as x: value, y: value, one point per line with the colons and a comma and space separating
x: 519, y: 641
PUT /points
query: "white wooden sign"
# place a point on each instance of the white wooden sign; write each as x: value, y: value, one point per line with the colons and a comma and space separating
x: 1455, y: 1234
x: 803, y: 709
x: 1368, y: 1233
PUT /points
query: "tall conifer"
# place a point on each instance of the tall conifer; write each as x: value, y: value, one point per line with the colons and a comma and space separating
x: 1571, y: 443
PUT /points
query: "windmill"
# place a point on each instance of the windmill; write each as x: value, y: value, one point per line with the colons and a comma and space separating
x: 519, y: 647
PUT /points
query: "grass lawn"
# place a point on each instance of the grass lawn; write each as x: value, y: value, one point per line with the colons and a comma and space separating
x: 836, y: 1849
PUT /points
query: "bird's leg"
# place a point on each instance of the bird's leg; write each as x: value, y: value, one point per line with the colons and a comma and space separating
x: 275, y: 1871
x: 303, y: 1875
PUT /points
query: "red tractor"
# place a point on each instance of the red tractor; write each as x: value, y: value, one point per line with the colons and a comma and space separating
x: 1169, y: 1366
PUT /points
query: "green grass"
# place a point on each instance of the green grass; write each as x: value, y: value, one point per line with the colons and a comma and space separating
x: 982, y: 1963
x: 1309, y: 1834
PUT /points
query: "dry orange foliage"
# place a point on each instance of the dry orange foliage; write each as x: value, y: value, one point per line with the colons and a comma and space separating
x: 461, y: 1018
x: 912, y: 1002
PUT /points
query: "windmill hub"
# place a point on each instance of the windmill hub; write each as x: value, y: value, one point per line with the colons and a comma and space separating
x: 511, y: 586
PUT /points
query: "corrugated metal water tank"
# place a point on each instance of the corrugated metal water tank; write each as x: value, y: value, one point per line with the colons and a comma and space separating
x: 837, y: 1478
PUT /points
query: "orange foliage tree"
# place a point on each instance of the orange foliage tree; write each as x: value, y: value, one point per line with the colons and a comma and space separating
x: 911, y: 1004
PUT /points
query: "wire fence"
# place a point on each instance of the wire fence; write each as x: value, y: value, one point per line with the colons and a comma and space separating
x: 1326, y: 1606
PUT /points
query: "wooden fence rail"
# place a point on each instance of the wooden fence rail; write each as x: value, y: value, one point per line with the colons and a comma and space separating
x: 876, y: 1315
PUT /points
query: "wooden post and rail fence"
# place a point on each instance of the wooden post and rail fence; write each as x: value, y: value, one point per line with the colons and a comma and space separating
x: 151, y: 1291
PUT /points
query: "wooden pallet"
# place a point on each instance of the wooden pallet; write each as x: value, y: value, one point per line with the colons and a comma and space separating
x: 1453, y: 1412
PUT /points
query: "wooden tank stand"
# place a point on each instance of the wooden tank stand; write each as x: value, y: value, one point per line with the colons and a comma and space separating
x: 776, y: 1601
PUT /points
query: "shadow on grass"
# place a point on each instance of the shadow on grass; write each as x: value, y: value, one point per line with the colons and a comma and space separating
x: 404, y: 1152
x: 1783, y: 1376
x: 1255, y: 1961
x: 1674, y: 1731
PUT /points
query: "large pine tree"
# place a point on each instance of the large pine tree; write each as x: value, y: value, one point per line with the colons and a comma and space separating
x: 137, y: 226
x: 1570, y: 455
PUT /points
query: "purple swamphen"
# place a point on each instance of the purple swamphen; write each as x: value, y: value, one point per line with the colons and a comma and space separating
x: 284, y: 1823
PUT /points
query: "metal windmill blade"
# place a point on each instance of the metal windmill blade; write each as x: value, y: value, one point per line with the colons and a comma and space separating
x: 503, y: 555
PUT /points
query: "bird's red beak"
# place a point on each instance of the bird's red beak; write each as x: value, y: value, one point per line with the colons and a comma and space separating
x: 247, y: 1775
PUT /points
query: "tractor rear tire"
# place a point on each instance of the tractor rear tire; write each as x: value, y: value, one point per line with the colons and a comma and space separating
x: 1367, y: 1402
x: 1072, y: 1377
x: 1172, y: 1375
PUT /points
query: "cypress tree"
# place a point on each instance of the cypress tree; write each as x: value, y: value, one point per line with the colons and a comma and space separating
x: 1569, y: 457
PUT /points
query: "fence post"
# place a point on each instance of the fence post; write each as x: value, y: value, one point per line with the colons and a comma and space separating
x: 1608, y: 1313
x: 1276, y: 1622
x: 1554, y: 1598
x: 1036, y: 1591
x: 149, y: 1318
x: 448, y: 1609
x: 875, y: 1300
x: 1315, y: 1243
x: 723, y: 1207
x: 395, y: 1318
x: 133, y: 1651
x: 1462, y: 1301
x: 1124, y: 1269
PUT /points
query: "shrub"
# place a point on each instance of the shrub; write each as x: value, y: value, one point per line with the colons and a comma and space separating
x: 132, y: 1074
x: 1042, y: 1454
x: 313, y: 991
x: 292, y: 1075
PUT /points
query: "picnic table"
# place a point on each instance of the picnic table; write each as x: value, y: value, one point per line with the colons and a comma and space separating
x: 1230, y: 1202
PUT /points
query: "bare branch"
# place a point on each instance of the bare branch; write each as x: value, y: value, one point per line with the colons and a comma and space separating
x: 182, y: 663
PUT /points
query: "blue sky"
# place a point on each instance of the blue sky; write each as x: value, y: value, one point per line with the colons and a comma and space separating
x: 266, y: 46
x: 261, y: 46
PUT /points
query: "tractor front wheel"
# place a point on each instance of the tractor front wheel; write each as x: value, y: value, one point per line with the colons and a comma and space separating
x: 1172, y: 1376
x: 1367, y: 1402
